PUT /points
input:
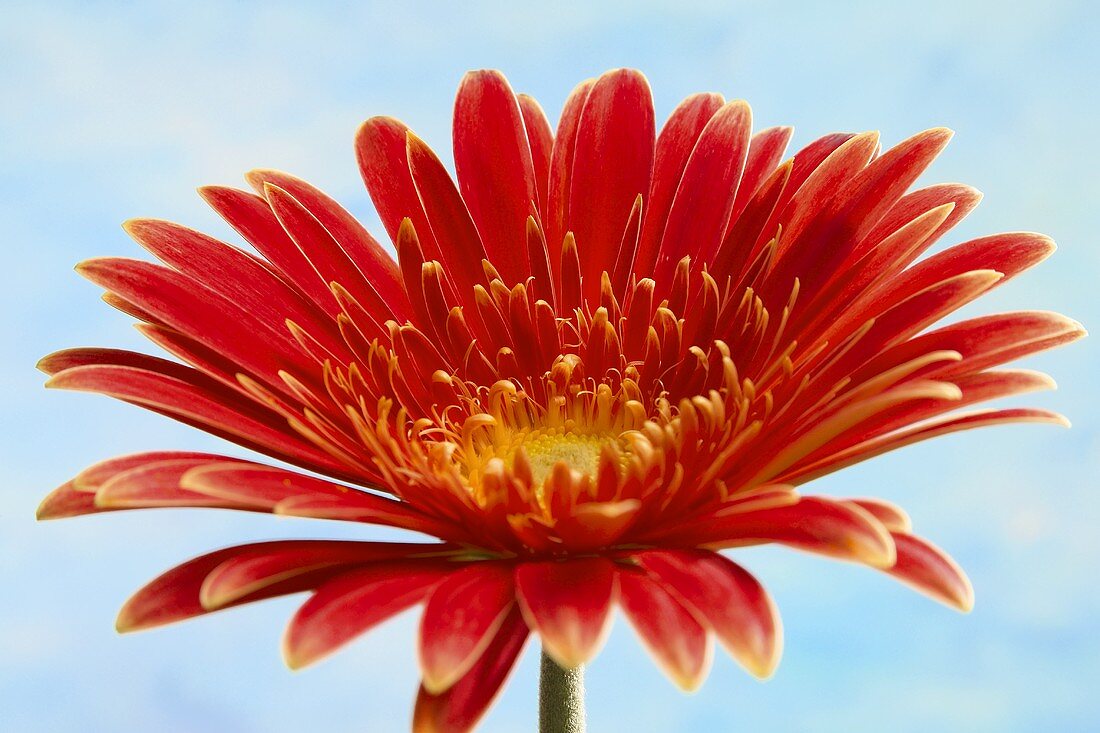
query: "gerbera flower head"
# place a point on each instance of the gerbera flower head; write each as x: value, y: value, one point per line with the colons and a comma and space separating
x: 603, y: 355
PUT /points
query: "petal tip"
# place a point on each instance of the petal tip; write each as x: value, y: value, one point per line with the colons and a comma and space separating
x: 56, y: 381
x: 86, y: 268
x: 211, y: 598
x: 880, y: 554
x: 106, y: 500
x: 940, y: 136
x: 47, y: 510
x: 293, y: 657
x: 690, y: 681
x: 126, y: 622
x: 263, y: 180
x: 762, y: 672
x: 763, y: 666
x: 479, y: 74
x: 48, y: 363
x: 372, y: 122
x: 135, y: 226
x: 436, y: 682
x: 960, y: 598
x: 208, y: 192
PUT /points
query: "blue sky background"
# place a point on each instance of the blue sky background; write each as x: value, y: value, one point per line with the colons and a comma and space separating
x: 115, y: 110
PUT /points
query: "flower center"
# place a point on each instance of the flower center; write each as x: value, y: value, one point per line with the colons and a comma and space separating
x: 579, y: 451
x: 503, y: 441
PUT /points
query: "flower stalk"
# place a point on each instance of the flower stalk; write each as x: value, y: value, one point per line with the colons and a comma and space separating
x: 561, y: 697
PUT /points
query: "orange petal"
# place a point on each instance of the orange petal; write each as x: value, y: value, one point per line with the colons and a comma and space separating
x: 931, y: 571
x: 353, y: 603
x: 569, y: 605
x: 679, y: 644
x: 460, y: 620
x: 460, y: 707
x: 726, y: 599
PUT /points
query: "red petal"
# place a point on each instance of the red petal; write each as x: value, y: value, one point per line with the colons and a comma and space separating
x: 245, y: 575
x: 912, y: 315
x: 231, y: 273
x: 927, y: 568
x: 253, y: 219
x: 495, y: 170
x: 678, y: 643
x: 984, y: 342
x: 59, y: 361
x: 369, y: 256
x: 792, y: 446
x: 879, y: 187
x: 814, y: 524
x: 124, y: 306
x: 704, y: 198
x: 920, y: 202
x: 892, y: 516
x: 196, y: 404
x: 332, y: 261
x: 854, y: 210
x: 569, y: 605
x: 907, y: 230
x: 556, y: 209
x: 975, y: 388
x: 740, y: 245
x: 175, y: 595
x: 157, y: 484
x: 804, y: 165
x: 541, y: 138
x: 93, y: 477
x: 765, y: 152
x: 261, y: 486
x: 725, y: 598
x: 191, y: 308
x: 616, y: 125
x: 856, y: 281
x: 384, y: 165
x: 459, y: 708
x: 460, y: 620
x: 1008, y: 254
x: 352, y: 604
x: 674, y: 145
x: 195, y: 354
x: 814, y: 195
x: 286, y: 492
x: 67, y: 501
x: 450, y: 222
x: 931, y: 429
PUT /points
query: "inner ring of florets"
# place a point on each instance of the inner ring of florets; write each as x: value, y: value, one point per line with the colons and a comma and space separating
x: 531, y: 445
x: 561, y: 463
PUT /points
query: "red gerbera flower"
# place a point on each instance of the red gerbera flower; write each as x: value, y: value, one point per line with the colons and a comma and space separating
x: 600, y: 358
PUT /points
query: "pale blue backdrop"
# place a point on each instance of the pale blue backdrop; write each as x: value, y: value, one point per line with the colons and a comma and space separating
x: 112, y: 110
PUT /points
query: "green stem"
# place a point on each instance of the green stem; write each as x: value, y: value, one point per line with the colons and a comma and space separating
x: 561, y: 698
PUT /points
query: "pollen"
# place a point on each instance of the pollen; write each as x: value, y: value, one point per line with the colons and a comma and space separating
x: 580, y: 453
